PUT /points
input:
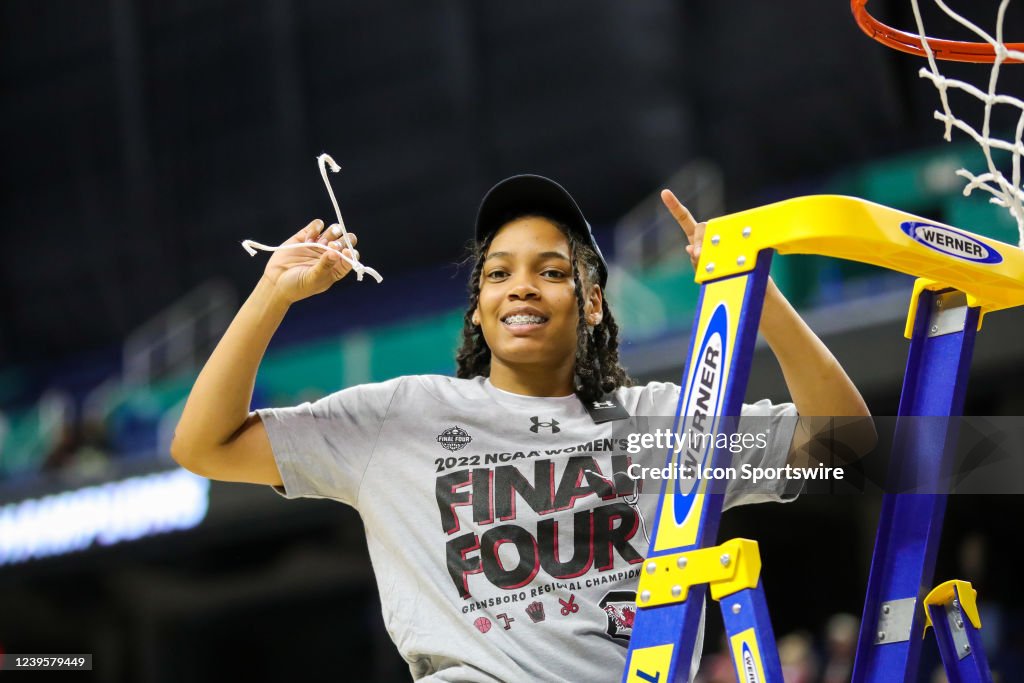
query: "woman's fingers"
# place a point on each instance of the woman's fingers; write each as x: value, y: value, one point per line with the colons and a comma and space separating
x: 315, y: 232
x: 680, y: 213
x: 324, y: 265
x: 306, y: 234
x: 698, y: 240
x: 339, y: 245
x: 351, y: 238
x: 315, y: 228
x: 343, y: 267
x: 351, y: 253
x: 694, y: 231
x: 333, y: 232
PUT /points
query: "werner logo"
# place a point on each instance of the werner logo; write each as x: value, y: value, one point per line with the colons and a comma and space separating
x: 703, y: 398
x: 950, y: 242
x: 749, y: 667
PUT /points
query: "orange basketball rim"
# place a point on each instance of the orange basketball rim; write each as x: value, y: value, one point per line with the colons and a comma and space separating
x: 949, y: 50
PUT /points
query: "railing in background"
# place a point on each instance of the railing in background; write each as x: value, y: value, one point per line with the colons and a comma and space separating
x: 178, y: 338
x: 29, y: 438
x: 647, y: 235
x: 121, y: 415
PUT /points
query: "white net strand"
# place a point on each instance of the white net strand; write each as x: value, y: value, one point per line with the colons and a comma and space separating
x: 336, y: 229
x: 1007, y: 193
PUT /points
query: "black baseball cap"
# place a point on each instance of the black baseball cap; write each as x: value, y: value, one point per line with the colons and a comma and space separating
x: 528, y: 193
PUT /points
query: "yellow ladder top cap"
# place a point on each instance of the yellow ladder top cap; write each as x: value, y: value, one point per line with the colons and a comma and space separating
x: 944, y: 593
x: 990, y: 272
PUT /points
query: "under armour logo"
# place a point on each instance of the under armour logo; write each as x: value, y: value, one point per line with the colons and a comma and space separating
x: 537, y: 424
x: 604, y: 404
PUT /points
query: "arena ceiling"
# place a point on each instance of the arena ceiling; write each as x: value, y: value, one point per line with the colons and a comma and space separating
x: 144, y: 140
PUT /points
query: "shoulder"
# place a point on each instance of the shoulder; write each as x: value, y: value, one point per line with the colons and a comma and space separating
x: 417, y: 388
x: 765, y: 408
x: 405, y: 384
x: 653, y: 398
x: 399, y: 395
x: 662, y: 398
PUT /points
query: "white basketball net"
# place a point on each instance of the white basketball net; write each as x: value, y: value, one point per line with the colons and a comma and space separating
x: 1007, y: 193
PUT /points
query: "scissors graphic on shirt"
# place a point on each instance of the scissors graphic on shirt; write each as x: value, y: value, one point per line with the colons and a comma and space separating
x: 569, y: 606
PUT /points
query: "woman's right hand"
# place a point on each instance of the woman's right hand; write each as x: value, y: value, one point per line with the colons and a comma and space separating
x: 297, y: 274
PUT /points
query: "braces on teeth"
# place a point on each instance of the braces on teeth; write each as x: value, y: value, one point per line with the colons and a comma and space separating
x: 520, y: 319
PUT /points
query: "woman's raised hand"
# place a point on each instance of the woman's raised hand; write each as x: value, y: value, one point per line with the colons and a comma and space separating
x: 297, y: 274
x: 694, y: 230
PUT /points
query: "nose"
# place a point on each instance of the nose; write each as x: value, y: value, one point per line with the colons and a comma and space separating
x: 523, y: 290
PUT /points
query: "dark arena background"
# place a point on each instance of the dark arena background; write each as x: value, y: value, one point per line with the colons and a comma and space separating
x: 144, y: 140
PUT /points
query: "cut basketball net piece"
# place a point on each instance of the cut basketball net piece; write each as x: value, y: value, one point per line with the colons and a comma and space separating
x: 337, y: 229
x: 1007, y: 193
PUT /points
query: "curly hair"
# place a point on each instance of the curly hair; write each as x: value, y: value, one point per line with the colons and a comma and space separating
x: 597, y: 370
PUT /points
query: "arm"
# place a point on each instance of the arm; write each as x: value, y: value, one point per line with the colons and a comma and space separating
x: 216, y: 436
x: 819, y: 387
x: 817, y: 383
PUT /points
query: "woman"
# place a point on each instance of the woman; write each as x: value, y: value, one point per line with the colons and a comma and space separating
x: 504, y: 539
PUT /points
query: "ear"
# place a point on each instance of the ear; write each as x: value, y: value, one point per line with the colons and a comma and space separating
x: 594, y: 306
x: 476, y: 316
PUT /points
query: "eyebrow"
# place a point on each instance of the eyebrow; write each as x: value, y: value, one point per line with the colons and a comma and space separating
x: 540, y: 256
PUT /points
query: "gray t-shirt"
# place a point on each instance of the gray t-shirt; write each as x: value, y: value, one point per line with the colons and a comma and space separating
x: 505, y: 540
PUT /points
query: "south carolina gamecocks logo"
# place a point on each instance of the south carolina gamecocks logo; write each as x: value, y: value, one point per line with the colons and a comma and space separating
x: 620, y: 609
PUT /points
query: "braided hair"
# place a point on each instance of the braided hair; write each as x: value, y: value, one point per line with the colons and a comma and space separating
x: 597, y: 370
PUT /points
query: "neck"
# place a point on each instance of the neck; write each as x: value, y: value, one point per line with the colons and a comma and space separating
x: 532, y: 380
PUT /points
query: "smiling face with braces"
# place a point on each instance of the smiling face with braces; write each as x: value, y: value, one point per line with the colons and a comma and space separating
x: 527, y: 309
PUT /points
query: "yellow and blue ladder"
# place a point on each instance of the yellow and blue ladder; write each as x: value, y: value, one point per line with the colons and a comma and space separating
x: 961, y: 277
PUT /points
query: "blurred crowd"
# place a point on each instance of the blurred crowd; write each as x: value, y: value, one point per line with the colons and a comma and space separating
x: 827, y: 657
x: 804, y: 659
x: 79, y: 440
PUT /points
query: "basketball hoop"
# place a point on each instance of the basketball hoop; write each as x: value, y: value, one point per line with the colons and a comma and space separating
x: 948, y: 50
x: 1006, y: 192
